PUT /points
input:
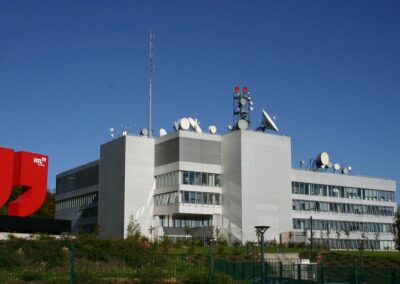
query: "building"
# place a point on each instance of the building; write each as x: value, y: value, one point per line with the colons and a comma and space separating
x: 233, y: 182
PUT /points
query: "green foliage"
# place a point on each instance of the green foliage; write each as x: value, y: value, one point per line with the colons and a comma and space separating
x: 166, y: 244
x: 133, y: 229
x: 397, y: 227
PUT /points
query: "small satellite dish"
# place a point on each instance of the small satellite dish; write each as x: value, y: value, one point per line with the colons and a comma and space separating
x: 184, y: 123
x: 323, y: 159
x: 176, y: 125
x: 251, y: 108
x: 336, y: 167
x: 345, y: 171
x: 349, y: 168
x: 212, y: 129
x: 251, y: 102
x: 243, y: 101
x: 267, y: 123
x: 330, y: 165
x: 230, y: 127
x: 301, y: 163
x: 242, y: 124
x: 192, y: 122
x: 198, y: 129
x: 112, y: 130
x: 144, y: 132
x: 163, y: 132
x: 124, y: 133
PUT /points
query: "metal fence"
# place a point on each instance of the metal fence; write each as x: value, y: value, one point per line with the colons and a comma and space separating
x: 168, y: 268
x: 296, y: 272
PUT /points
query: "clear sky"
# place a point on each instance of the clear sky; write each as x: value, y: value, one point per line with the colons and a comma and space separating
x: 328, y: 70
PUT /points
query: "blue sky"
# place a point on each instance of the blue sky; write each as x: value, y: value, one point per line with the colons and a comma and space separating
x: 328, y: 70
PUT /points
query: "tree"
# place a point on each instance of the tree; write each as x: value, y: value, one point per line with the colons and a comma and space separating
x: 133, y: 229
x: 338, y: 237
x: 396, y: 231
x: 347, y: 233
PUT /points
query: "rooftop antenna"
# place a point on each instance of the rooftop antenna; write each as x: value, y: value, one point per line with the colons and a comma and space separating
x: 150, y: 133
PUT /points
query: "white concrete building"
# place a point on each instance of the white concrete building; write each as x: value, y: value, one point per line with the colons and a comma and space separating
x: 233, y: 182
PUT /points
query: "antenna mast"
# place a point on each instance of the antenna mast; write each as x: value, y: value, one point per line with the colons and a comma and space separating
x: 150, y: 79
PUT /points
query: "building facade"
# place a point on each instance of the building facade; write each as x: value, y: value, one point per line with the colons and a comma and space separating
x: 232, y: 182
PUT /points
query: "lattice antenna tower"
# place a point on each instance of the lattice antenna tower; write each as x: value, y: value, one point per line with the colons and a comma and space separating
x: 242, y: 106
x: 151, y: 59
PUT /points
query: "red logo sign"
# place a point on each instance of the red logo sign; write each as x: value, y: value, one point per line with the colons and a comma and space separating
x: 28, y: 170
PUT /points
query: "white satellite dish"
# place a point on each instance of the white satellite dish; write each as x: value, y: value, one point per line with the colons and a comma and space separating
x: 242, y: 124
x: 267, y: 123
x: 163, y: 132
x: 124, y: 133
x: 192, y: 122
x: 336, y: 167
x: 345, y: 171
x: 176, y: 126
x: 212, y: 129
x: 198, y: 129
x: 349, y: 168
x: 230, y: 127
x: 112, y: 130
x: 323, y: 159
x: 184, y: 123
x: 144, y: 132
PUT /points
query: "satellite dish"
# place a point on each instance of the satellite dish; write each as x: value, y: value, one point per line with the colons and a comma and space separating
x: 192, y: 122
x: 124, y: 133
x: 163, y: 132
x: 336, y: 167
x: 301, y: 163
x: 198, y: 129
x: 345, y: 171
x: 243, y: 101
x: 349, y: 168
x: 267, y: 123
x: 184, y: 123
x: 242, y: 124
x: 323, y: 159
x: 144, y: 132
x: 112, y: 130
x: 230, y: 127
x: 251, y: 108
x: 176, y: 126
x: 330, y: 165
x: 212, y: 129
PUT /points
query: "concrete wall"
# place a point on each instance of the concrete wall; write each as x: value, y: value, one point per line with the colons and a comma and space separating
x: 112, y: 188
x: 266, y: 183
x: 139, y: 181
x: 232, y: 185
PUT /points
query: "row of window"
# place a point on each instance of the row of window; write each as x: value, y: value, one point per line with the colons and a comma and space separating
x: 206, y: 198
x: 356, y: 244
x: 188, y: 177
x: 79, y: 201
x: 190, y: 221
x: 318, y: 206
x: 333, y: 226
x: 167, y: 179
x: 341, y: 191
x: 87, y: 212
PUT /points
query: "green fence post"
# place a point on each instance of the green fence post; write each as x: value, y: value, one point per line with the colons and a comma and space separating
x: 280, y: 272
x: 322, y: 275
x: 72, y: 263
x: 299, y: 271
x: 356, y: 276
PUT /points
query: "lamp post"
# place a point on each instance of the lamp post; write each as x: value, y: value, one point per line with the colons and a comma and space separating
x: 261, y: 231
x: 210, y: 241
